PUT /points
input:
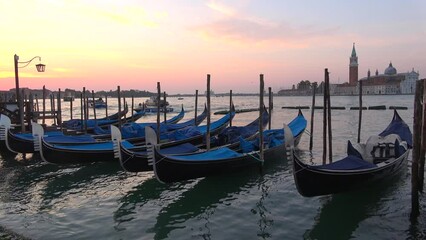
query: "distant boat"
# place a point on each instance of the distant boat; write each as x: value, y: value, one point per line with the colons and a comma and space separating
x: 212, y: 94
x: 180, y: 98
x: 155, y: 110
x: 98, y: 103
x: 69, y: 98
x: 152, y: 101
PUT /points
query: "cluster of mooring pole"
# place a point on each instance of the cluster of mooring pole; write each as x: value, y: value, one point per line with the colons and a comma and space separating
x: 326, y: 119
x: 84, y: 107
x: 419, y: 144
x: 31, y: 109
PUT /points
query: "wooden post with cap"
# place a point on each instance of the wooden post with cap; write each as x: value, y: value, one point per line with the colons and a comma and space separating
x: 208, y: 113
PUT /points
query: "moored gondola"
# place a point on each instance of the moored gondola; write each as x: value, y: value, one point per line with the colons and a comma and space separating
x: 381, y: 157
x: 93, y: 152
x: 81, y: 124
x: 173, y: 168
x: 137, y: 159
x: 24, y: 142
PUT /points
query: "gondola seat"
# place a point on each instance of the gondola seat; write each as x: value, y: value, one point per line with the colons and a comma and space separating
x: 377, y: 148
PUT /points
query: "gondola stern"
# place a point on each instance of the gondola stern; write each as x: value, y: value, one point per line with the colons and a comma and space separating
x: 5, y: 125
x: 152, y: 149
x: 116, y: 141
x: 298, y: 171
x: 38, y: 132
x: 288, y: 137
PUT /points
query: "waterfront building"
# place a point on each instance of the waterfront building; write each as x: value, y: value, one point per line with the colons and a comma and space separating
x: 390, y: 82
x: 353, y: 67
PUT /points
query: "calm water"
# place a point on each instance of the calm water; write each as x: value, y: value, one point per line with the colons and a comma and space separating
x: 44, y: 201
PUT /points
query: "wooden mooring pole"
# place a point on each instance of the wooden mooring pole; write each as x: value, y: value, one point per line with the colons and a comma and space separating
x: 71, y: 108
x: 21, y: 111
x: 124, y: 107
x: 44, y: 105
x: 31, y: 116
x: 330, y: 135
x: 119, y: 105
x: 270, y: 106
x: 59, y: 113
x: 106, y: 106
x: 324, y: 127
x: 133, y: 106
x: 230, y: 106
x: 261, y: 108
x: 164, y: 106
x: 37, y: 107
x: 94, y: 104
x: 52, y: 108
x: 82, y: 111
x: 196, y: 105
x: 208, y: 113
x: 423, y: 143
x: 360, y: 112
x: 327, y: 121
x: 311, y: 138
x: 85, y: 113
x: 417, y: 143
x: 158, y: 111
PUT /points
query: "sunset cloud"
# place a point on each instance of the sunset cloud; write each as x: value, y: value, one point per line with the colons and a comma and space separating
x: 103, y: 43
x: 248, y: 30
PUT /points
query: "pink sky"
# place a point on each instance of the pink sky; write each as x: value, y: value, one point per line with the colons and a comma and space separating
x: 102, y: 44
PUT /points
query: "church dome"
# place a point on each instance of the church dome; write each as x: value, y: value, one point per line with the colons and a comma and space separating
x: 390, y: 70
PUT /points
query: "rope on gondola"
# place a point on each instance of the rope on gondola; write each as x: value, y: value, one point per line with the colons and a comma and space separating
x: 303, y: 168
x: 160, y: 160
x: 255, y: 158
x: 130, y: 157
x: 308, y: 132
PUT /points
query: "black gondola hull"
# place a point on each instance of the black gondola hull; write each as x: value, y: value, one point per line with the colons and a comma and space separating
x: 63, y: 155
x: 68, y: 156
x: 169, y: 170
x: 19, y: 145
x: 314, y: 182
x: 134, y: 162
x: 138, y: 162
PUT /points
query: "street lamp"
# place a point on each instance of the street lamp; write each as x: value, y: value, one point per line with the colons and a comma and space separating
x: 40, y: 68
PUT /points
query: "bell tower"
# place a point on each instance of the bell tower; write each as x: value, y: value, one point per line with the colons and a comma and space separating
x: 353, y: 67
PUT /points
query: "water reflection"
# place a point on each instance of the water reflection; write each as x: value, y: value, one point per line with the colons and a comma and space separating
x: 149, y: 189
x: 210, y: 193
x: 5, y: 154
x: 341, y: 214
x: 18, y: 182
x: 72, y: 179
x: 199, y: 201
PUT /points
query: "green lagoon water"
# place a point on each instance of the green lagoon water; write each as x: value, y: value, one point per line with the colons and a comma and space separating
x: 101, y: 201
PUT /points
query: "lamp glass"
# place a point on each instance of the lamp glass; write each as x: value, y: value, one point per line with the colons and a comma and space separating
x: 40, y: 67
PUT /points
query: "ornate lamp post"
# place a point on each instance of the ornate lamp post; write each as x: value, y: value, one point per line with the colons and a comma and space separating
x: 40, y: 68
